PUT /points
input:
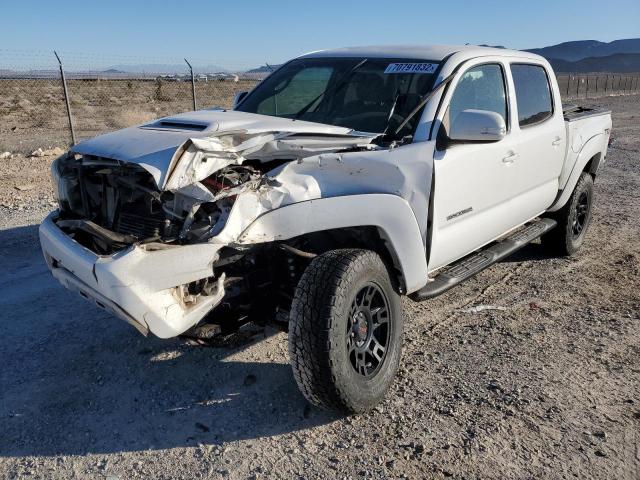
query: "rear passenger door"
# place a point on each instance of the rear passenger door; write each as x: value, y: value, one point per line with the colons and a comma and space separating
x: 540, y: 139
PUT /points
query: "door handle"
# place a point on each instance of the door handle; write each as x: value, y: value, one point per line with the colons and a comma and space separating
x: 509, y: 159
x: 557, y: 141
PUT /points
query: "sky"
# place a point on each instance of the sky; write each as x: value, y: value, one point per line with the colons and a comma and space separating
x: 245, y: 33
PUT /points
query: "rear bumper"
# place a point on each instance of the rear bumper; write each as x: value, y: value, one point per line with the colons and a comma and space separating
x: 138, y: 285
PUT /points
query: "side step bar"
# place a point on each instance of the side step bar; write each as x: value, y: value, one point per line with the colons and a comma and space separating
x: 475, y: 263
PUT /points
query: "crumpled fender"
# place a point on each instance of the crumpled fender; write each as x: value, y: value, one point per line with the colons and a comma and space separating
x: 386, y: 188
x: 390, y: 214
x: 405, y: 172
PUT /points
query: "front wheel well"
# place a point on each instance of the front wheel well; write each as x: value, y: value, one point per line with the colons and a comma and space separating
x: 362, y: 237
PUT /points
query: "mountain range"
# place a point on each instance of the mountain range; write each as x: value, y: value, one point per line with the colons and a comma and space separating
x: 617, y: 63
x: 581, y: 49
x: 619, y: 56
x: 157, y: 68
x: 581, y: 56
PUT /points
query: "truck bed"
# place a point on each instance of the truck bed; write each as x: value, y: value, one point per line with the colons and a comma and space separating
x: 575, y: 112
x: 582, y: 124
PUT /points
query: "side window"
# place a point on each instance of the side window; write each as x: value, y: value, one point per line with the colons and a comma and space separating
x: 480, y: 88
x: 533, y: 94
x: 289, y: 98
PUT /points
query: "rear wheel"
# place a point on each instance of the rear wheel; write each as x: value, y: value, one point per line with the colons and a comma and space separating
x: 573, y: 220
x: 345, y: 331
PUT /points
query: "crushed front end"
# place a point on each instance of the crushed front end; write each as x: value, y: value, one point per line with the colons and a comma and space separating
x: 133, y: 250
x: 164, y: 255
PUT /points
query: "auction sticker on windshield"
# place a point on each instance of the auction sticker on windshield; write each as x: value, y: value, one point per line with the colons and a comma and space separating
x: 411, y: 68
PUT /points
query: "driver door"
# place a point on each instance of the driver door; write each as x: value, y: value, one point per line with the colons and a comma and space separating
x: 470, y: 193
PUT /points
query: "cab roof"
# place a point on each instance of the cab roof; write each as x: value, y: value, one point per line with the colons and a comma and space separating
x: 421, y: 52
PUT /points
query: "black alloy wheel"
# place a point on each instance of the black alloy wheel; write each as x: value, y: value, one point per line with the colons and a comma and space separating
x: 368, y: 330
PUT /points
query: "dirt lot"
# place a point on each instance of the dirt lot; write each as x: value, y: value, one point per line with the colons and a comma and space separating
x: 529, y: 370
x: 33, y: 114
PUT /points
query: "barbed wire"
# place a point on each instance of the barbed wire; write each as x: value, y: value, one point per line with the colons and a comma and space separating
x: 35, y: 59
x: 109, y: 92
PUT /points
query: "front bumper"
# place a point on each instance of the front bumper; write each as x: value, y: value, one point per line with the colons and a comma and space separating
x: 137, y: 284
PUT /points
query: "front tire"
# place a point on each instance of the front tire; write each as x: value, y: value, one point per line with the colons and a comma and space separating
x: 345, y: 331
x: 573, y: 220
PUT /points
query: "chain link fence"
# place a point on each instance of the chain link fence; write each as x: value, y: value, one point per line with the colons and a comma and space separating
x: 104, y: 94
x: 109, y: 93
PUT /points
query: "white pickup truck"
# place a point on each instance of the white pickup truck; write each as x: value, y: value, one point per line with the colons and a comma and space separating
x: 344, y: 180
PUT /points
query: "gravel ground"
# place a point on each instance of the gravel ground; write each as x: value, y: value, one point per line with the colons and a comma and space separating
x: 529, y: 370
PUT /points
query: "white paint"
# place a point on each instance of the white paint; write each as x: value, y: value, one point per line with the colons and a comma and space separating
x: 482, y: 190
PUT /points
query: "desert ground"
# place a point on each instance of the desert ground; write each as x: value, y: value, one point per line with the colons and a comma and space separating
x: 529, y: 370
x: 33, y: 113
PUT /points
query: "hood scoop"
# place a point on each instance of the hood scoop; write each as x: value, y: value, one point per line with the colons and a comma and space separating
x: 181, y: 125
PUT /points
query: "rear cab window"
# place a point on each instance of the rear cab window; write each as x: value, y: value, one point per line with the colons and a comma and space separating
x: 533, y: 93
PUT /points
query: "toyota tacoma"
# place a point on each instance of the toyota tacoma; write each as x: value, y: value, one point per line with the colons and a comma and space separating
x: 344, y: 180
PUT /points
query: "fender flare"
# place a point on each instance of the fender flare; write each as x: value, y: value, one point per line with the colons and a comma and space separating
x: 592, y: 148
x: 390, y: 214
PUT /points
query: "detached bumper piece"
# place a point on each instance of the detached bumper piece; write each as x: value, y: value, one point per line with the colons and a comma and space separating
x: 145, y: 285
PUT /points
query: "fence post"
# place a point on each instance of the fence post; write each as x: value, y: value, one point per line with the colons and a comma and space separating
x: 578, y: 87
x: 66, y: 99
x: 586, y: 90
x: 606, y: 82
x: 568, y: 84
x: 193, y: 85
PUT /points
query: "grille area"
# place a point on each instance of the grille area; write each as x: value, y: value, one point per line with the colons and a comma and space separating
x: 140, y: 226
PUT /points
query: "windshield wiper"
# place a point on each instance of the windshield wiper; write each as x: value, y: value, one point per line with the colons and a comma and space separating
x: 336, y: 86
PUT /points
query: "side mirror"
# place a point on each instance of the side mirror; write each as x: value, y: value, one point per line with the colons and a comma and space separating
x: 238, y: 98
x: 478, y: 126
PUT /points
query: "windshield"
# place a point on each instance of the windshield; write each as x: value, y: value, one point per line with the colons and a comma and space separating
x: 368, y: 95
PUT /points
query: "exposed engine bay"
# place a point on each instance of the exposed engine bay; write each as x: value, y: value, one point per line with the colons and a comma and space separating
x: 107, y: 205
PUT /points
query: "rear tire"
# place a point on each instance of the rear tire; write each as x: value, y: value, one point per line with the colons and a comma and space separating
x: 573, y: 220
x: 345, y: 331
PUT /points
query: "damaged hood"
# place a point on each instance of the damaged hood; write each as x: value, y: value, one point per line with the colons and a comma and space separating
x: 186, y: 148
